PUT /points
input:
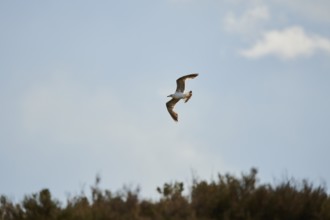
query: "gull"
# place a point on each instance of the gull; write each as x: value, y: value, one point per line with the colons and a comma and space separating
x: 179, y: 94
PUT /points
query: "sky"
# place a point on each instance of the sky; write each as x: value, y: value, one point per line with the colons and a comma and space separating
x: 83, y: 87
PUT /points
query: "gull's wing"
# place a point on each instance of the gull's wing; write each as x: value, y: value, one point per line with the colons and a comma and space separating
x: 170, y: 105
x: 181, y: 80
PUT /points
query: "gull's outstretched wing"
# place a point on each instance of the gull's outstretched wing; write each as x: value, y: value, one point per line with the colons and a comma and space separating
x: 170, y: 105
x: 180, y: 82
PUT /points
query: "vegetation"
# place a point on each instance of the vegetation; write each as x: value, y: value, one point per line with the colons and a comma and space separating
x: 228, y: 197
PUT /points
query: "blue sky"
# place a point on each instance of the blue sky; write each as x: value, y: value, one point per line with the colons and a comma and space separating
x: 83, y: 87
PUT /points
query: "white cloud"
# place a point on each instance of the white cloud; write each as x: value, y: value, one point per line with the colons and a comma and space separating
x: 316, y: 10
x: 289, y: 43
x: 248, y: 21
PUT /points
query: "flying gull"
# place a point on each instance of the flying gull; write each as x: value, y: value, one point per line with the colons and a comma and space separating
x: 179, y: 94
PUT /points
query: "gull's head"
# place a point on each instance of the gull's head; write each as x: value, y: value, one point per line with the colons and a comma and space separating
x: 170, y: 95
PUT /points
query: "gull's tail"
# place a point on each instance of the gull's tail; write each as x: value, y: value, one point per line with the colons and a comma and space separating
x: 188, y: 97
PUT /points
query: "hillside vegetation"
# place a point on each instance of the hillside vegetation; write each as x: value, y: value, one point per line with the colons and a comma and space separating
x: 228, y: 198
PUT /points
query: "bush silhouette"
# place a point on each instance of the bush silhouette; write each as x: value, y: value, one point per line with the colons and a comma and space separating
x: 228, y: 197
